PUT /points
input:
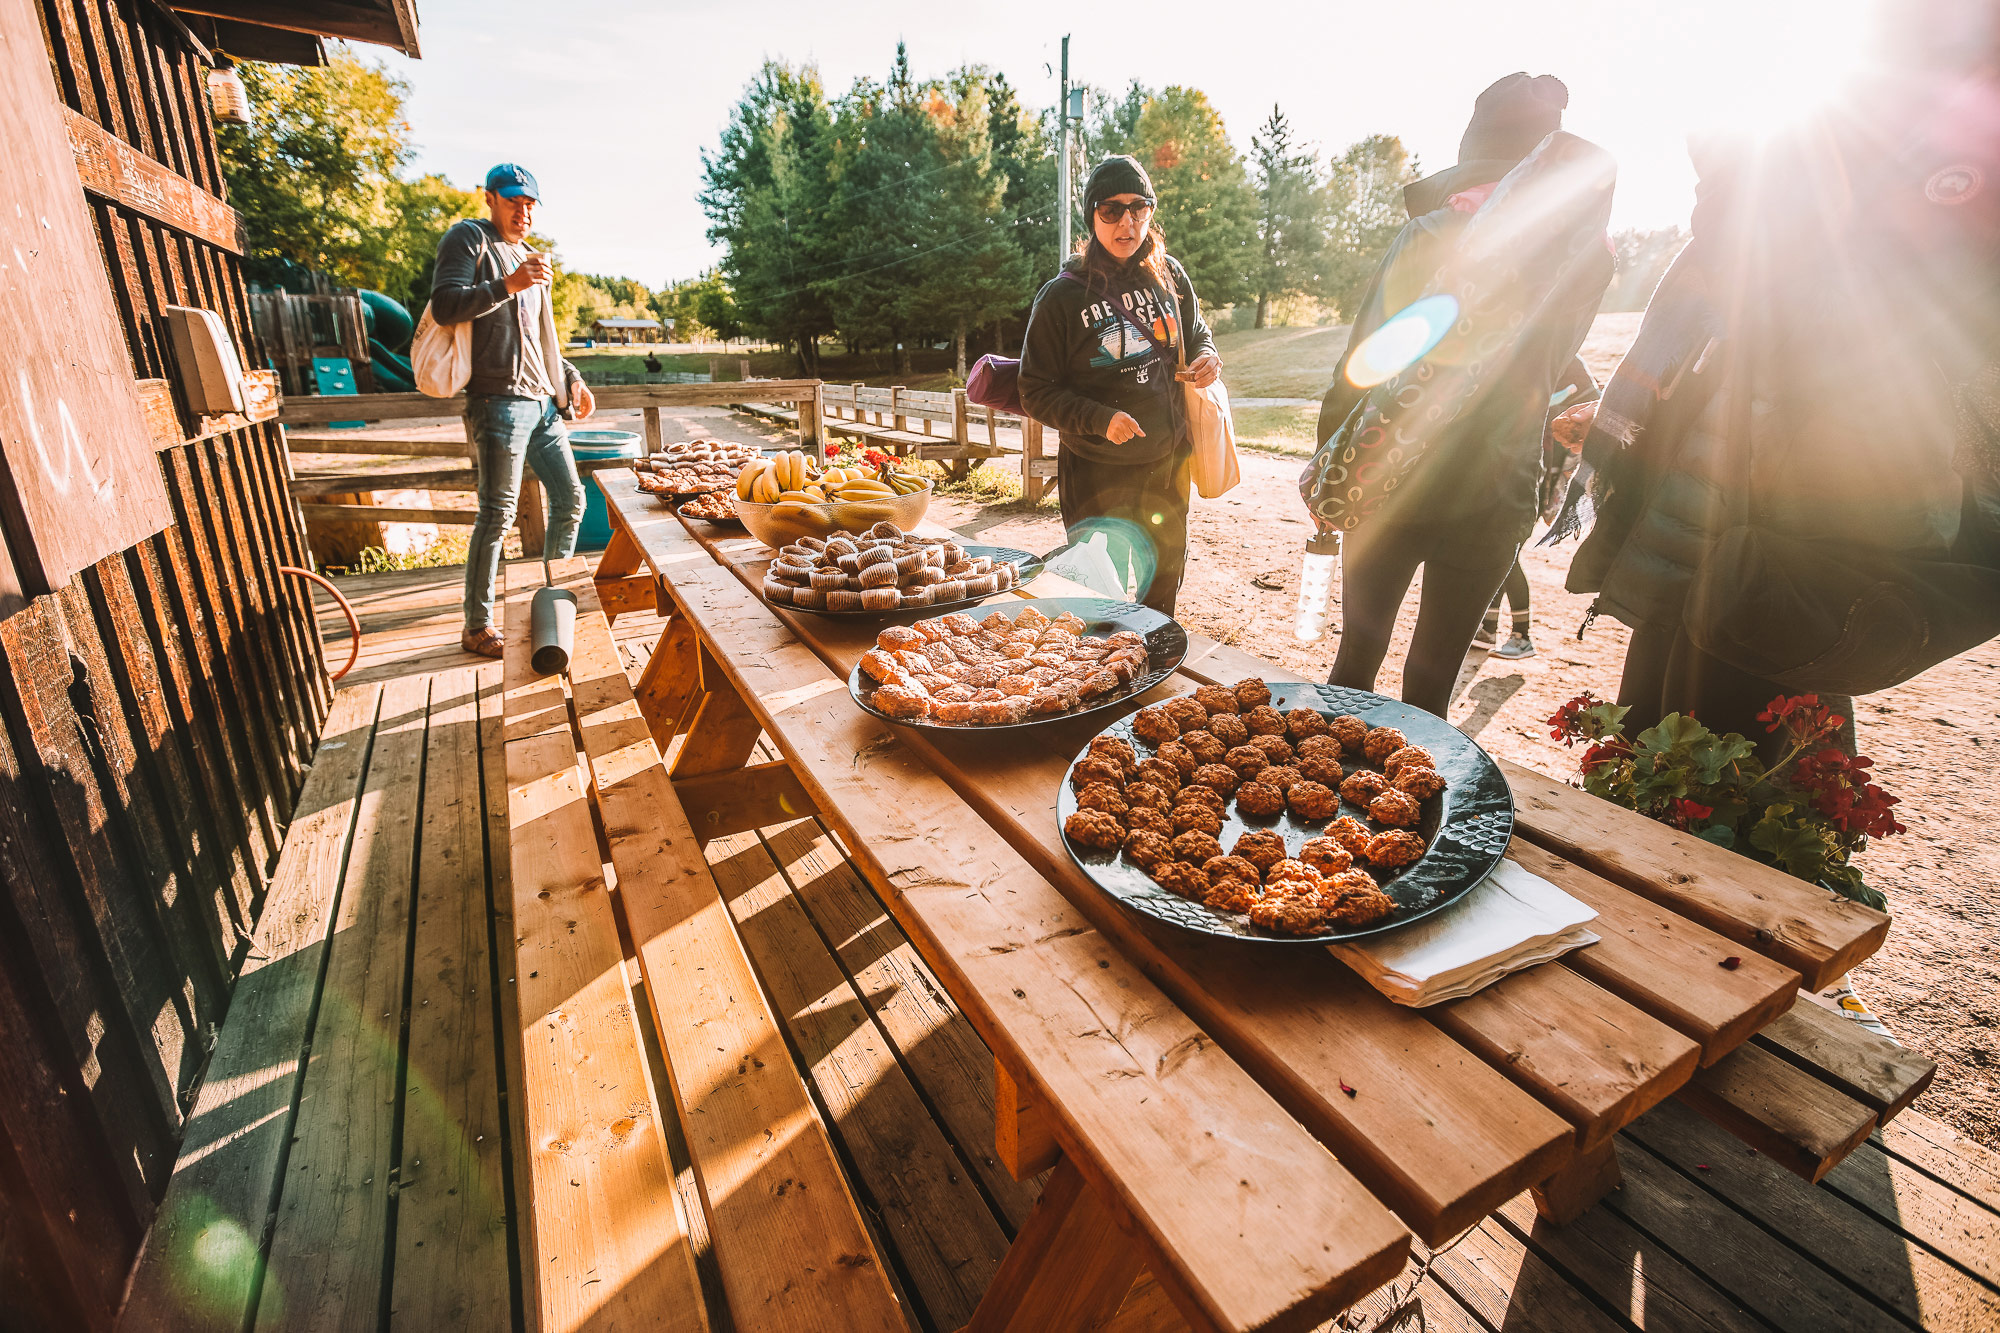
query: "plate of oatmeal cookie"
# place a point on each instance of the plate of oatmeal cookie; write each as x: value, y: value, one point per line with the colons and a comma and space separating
x: 1285, y: 812
x: 1018, y: 665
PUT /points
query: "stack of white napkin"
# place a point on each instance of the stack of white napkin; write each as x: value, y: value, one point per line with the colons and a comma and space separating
x: 1511, y: 920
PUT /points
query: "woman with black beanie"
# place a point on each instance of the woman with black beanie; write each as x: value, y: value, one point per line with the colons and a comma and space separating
x: 1100, y: 363
x: 1469, y: 502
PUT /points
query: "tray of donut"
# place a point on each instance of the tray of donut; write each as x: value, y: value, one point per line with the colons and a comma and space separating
x: 885, y: 569
x: 1285, y: 812
x: 1022, y: 664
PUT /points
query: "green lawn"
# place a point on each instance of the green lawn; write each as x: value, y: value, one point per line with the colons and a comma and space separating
x: 1277, y: 430
x: 1280, y: 363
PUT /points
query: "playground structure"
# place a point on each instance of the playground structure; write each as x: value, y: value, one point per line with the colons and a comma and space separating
x: 308, y: 333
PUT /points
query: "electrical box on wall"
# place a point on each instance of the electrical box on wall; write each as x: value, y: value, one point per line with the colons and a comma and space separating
x: 211, y: 373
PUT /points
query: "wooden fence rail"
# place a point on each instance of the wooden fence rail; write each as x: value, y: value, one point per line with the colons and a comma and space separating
x: 884, y: 417
x: 803, y: 395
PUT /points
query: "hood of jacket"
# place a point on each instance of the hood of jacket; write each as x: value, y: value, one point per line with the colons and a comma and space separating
x: 1429, y: 194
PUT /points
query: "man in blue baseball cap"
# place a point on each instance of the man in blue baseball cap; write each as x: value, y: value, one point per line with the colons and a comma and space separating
x: 521, y: 387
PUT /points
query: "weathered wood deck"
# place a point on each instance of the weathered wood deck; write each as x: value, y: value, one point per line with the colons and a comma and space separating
x: 415, y: 1093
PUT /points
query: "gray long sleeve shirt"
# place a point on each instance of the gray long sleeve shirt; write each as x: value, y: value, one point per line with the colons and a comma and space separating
x: 471, y: 283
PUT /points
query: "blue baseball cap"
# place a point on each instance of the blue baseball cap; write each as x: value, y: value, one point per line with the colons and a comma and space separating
x: 511, y: 182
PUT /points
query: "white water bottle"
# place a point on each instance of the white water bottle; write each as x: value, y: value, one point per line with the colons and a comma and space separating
x: 1316, y: 586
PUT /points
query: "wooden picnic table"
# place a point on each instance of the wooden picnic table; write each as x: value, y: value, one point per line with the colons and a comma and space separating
x: 1255, y: 1126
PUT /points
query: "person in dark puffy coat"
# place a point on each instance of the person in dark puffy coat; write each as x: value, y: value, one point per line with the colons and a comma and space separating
x: 1463, y: 511
x: 1809, y: 367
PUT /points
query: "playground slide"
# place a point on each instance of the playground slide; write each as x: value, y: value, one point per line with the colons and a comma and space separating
x: 390, y: 329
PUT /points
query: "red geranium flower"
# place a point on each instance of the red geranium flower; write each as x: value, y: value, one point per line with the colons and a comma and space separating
x: 1566, y: 723
x: 1686, y: 812
x: 1601, y: 755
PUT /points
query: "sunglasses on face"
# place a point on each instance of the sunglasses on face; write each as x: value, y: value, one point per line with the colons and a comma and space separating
x: 1114, y: 212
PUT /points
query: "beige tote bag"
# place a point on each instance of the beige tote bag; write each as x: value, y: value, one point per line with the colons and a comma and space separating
x: 441, y: 356
x: 1214, y: 434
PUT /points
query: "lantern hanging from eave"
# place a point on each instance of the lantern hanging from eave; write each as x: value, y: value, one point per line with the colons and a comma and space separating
x: 226, y: 96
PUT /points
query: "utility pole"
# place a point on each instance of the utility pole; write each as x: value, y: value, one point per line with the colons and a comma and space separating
x: 1062, y: 161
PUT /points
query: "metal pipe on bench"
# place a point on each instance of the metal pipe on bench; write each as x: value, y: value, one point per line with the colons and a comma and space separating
x: 552, y: 629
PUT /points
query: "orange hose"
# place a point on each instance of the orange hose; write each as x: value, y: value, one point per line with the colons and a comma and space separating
x: 353, y: 625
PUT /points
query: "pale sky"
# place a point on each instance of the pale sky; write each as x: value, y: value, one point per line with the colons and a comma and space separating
x: 610, y: 102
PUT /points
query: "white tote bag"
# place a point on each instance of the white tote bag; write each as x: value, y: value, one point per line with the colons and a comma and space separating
x: 441, y: 356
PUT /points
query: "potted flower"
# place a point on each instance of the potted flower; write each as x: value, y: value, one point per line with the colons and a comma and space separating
x: 1807, y: 813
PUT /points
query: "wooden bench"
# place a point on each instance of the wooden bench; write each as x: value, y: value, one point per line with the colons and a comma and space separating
x: 608, y: 1245
x: 1126, y: 1125
x: 345, y: 1155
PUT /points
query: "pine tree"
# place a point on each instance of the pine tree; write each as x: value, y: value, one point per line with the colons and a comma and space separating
x: 1288, y: 224
x: 975, y: 271
x: 1024, y: 150
x: 768, y: 193
x: 885, y: 171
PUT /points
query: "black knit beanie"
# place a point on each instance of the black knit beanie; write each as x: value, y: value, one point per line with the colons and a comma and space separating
x: 1114, y: 176
x: 1512, y: 116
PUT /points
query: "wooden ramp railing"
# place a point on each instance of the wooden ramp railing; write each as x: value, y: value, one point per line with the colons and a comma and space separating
x: 300, y: 414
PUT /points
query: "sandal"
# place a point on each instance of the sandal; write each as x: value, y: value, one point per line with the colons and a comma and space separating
x: 483, y: 642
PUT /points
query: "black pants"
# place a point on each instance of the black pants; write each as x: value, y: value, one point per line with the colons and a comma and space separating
x: 1515, y: 592
x: 1666, y: 673
x: 1143, y: 511
x: 1377, y: 566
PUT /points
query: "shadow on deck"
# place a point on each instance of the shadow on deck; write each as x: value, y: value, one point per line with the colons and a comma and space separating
x: 401, y: 1191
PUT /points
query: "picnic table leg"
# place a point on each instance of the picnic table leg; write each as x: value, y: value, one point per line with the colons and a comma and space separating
x: 532, y: 519
x: 621, y: 556
x: 1022, y: 1139
x: 670, y: 682
x: 1069, y: 1268
x: 724, y: 731
x: 1572, y: 1191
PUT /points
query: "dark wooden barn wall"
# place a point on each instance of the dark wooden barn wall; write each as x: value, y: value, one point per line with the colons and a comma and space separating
x: 156, y: 718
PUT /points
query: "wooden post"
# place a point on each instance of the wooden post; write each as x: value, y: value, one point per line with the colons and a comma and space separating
x: 1033, y: 485
x: 857, y: 403
x: 713, y: 373
x: 1069, y: 1268
x: 812, y: 434
x: 743, y: 368
x: 531, y: 517
x: 652, y: 415
x: 896, y: 407
x: 961, y: 434
x: 992, y: 429
x: 1575, y: 1189
x: 1022, y: 1139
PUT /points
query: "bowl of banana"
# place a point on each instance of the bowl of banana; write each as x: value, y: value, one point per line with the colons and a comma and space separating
x: 786, y: 497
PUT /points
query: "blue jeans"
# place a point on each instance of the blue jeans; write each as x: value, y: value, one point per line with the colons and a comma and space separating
x: 507, y: 432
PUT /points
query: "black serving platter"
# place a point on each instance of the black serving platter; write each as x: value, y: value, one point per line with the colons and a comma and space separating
x: 1466, y: 828
x: 1026, y: 566
x: 1166, y: 645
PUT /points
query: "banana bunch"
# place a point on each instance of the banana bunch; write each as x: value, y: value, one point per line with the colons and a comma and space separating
x: 793, y: 478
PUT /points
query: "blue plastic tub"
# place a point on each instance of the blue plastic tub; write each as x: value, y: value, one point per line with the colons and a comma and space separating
x: 595, y: 446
